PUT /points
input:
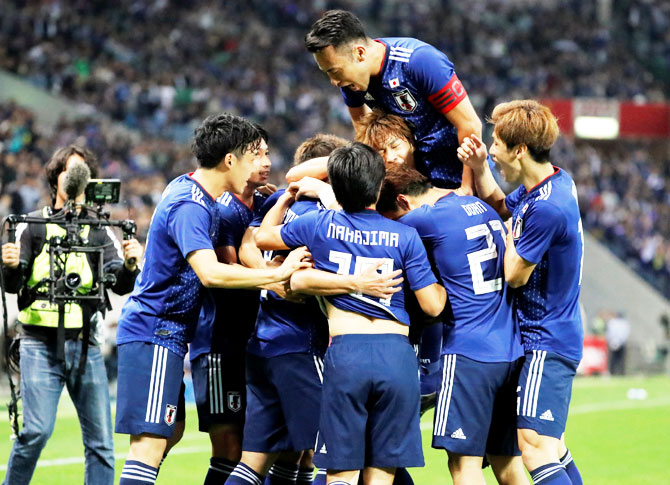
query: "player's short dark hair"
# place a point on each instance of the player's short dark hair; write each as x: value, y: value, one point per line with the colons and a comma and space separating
x: 320, y: 145
x: 225, y: 133
x: 400, y: 180
x: 58, y: 163
x: 356, y: 172
x: 336, y: 28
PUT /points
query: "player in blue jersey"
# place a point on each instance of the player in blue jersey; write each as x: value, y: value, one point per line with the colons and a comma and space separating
x: 160, y: 317
x: 218, y: 349
x: 403, y: 76
x: 481, y: 349
x: 543, y: 262
x: 370, y: 405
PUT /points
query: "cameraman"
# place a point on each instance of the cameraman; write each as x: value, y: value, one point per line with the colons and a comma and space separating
x: 45, y: 368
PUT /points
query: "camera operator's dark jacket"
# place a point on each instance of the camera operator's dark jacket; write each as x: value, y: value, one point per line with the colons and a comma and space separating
x: 38, y: 316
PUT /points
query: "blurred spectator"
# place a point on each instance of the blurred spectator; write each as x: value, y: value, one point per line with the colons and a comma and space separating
x: 618, y: 331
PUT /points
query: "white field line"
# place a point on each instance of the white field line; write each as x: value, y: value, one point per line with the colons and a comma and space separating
x: 186, y: 450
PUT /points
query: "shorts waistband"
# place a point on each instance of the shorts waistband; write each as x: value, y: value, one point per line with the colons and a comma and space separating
x: 369, y: 338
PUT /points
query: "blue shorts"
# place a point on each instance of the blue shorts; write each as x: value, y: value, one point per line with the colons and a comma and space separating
x: 148, y: 389
x: 283, y: 401
x: 219, y: 386
x: 544, y: 391
x: 476, y: 407
x: 370, y: 411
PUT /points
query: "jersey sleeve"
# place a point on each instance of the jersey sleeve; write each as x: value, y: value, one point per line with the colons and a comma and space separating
x: 542, y: 224
x: 434, y: 75
x: 416, y: 265
x: 512, y: 200
x: 352, y: 99
x: 188, y: 226
x: 300, y: 231
x: 267, y: 205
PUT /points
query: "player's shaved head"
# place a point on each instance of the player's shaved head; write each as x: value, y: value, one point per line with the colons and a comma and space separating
x: 320, y: 145
x: 399, y: 180
x: 356, y: 172
x: 336, y: 28
x: 377, y: 127
x: 526, y: 122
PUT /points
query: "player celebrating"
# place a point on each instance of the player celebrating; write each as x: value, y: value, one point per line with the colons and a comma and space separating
x: 481, y: 350
x: 218, y: 349
x: 160, y: 317
x: 544, y: 261
x: 370, y: 407
x: 403, y: 76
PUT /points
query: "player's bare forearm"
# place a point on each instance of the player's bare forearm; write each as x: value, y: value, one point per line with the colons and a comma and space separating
x: 249, y: 253
x: 432, y: 299
x: 322, y: 283
x: 517, y: 269
x: 316, y: 167
x: 213, y: 274
x: 357, y: 113
x: 268, y: 237
x: 488, y: 190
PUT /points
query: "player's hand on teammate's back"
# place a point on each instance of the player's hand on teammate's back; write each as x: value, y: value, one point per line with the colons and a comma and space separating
x: 299, y: 258
x: 267, y: 189
x: 472, y: 152
x: 10, y: 254
x: 377, y: 285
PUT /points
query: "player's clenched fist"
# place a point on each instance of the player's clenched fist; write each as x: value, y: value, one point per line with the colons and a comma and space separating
x: 10, y: 254
x: 299, y: 258
x: 472, y: 152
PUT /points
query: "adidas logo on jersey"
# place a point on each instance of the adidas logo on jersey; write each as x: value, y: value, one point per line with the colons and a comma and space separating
x: 547, y: 416
x: 458, y: 434
x: 323, y: 449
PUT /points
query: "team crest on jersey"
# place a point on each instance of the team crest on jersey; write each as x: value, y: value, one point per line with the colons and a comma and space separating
x: 170, y: 414
x: 518, y: 227
x: 234, y: 401
x: 405, y: 100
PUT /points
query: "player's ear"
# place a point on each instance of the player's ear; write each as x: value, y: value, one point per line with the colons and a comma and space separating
x: 360, y: 52
x: 403, y: 202
x: 521, y: 150
x: 228, y: 160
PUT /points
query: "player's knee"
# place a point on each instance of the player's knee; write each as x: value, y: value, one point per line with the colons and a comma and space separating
x: 226, y: 441
x: 509, y: 470
x: 148, y: 449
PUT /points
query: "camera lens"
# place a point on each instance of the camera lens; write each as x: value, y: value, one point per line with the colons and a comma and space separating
x: 72, y: 281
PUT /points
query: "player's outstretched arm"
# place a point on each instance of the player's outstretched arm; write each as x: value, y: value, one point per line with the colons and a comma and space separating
x: 473, y: 154
x: 316, y: 167
x: 369, y: 282
x: 432, y: 299
x: 213, y: 274
x: 268, y: 237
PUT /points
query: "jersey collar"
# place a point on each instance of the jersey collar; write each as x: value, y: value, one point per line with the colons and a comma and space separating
x: 190, y: 176
x: 557, y: 170
x: 382, y: 66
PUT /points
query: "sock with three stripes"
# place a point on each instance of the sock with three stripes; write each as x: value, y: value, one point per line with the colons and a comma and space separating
x: 244, y: 475
x: 219, y: 470
x: 137, y: 473
x: 553, y: 473
x: 571, y: 469
x: 282, y: 474
x: 305, y: 476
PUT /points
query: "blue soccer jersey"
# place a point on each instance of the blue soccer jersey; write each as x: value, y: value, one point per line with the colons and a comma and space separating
x: 349, y: 242
x: 164, y: 306
x: 547, y: 231
x: 418, y: 83
x: 234, y: 315
x: 285, y: 327
x: 465, y: 240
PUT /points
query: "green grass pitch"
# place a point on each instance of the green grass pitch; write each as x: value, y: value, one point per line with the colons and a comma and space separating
x: 613, y: 439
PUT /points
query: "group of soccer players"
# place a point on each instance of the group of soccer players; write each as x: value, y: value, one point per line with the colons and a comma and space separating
x: 381, y: 245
